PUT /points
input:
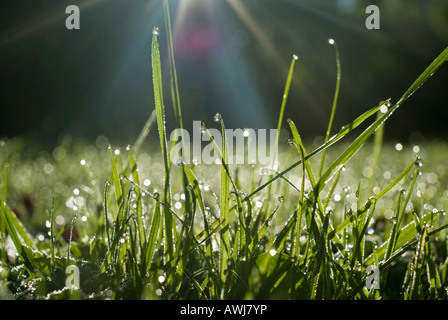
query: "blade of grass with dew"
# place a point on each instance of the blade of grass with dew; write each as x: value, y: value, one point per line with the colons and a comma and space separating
x: 429, y: 72
x: 106, y: 215
x: 145, y: 131
x: 414, y: 292
x: 284, y: 100
x: 52, y: 235
x: 226, y: 180
x: 3, y: 196
x: 280, y: 120
x: 160, y: 109
x: 335, y: 102
x: 298, y: 143
x: 18, y: 233
x: 401, y: 206
x: 208, y: 256
x: 117, y: 185
x: 153, y: 233
x: 173, y: 74
x: 224, y: 209
x: 174, y: 86
x: 194, y: 183
x: 376, y: 152
x: 141, y: 230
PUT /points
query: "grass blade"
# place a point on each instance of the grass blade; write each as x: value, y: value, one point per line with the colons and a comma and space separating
x: 160, y: 111
x: 335, y: 101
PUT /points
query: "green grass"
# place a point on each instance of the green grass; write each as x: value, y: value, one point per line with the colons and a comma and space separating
x: 139, y: 228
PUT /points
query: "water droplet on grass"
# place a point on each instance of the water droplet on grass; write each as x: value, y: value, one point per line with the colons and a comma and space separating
x: 291, y: 142
x: 217, y: 117
x: 419, y: 162
x: 295, y: 57
x: 281, y: 198
x: 155, y: 31
x: 331, y: 41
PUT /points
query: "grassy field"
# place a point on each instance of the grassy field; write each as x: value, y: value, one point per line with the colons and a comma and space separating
x: 138, y: 227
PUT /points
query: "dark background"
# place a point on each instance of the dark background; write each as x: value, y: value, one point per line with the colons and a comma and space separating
x: 232, y: 57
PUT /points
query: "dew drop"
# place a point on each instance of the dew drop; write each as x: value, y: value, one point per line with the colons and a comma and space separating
x: 156, y: 195
x: 217, y: 117
x: 295, y: 57
x: 281, y: 198
x: 265, y: 171
x: 291, y: 142
x: 384, y: 108
x: 419, y: 162
x: 331, y: 41
x: 155, y: 31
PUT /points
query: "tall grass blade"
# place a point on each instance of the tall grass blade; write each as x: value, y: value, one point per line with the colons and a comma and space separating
x: 160, y: 110
x: 335, y: 102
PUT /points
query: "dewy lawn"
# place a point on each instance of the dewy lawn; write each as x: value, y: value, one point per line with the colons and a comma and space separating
x: 347, y: 217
